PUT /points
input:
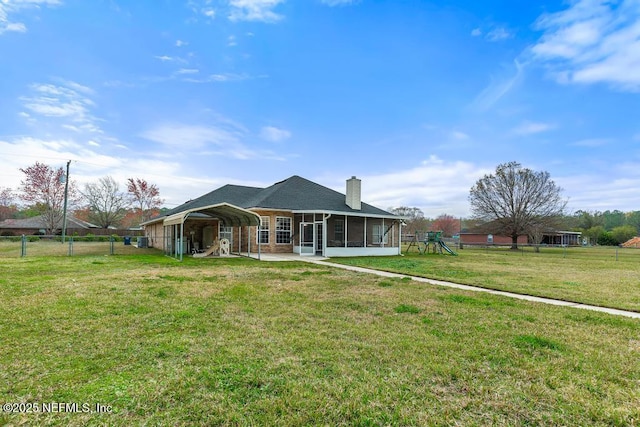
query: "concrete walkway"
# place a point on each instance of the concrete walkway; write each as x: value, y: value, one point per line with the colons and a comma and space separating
x: 320, y: 261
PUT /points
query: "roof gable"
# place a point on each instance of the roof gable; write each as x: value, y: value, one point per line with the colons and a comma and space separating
x: 297, y: 193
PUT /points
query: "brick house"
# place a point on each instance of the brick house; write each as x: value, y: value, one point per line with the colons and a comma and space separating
x: 291, y: 216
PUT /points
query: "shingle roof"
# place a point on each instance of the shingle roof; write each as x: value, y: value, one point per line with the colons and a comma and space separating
x: 294, y: 193
x: 38, y: 222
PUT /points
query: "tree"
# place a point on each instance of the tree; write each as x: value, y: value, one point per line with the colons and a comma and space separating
x: 415, y: 220
x: 105, y: 203
x: 587, y: 220
x: 633, y: 219
x: 8, y: 207
x: 448, y: 224
x: 613, y: 219
x: 43, y: 188
x: 515, y: 201
x: 623, y: 233
x: 144, y: 196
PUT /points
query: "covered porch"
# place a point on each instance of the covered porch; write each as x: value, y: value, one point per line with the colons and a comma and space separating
x: 332, y: 234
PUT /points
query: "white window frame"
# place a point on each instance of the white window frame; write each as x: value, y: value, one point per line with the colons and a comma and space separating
x: 339, y: 222
x: 263, y: 230
x: 225, y: 232
x: 283, y: 231
x: 378, y: 235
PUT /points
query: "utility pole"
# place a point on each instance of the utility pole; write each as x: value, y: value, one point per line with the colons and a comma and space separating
x: 64, y: 210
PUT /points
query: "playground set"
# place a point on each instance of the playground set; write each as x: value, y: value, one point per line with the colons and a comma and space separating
x: 424, y: 240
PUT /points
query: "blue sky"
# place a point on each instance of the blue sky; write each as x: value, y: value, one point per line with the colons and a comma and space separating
x: 418, y: 99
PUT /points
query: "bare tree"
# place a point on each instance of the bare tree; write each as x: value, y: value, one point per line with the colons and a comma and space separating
x: 516, y: 201
x: 7, y: 203
x: 415, y: 220
x: 43, y: 188
x: 106, y: 204
x: 144, y: 196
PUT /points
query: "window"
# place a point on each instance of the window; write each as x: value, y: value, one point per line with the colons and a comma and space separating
x: 263, y: 232
x: 338, y: 230
x: 225, y: 233
x: 378, y: 233
x: 283, y: 229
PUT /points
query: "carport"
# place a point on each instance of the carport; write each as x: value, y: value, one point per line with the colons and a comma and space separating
x: 228, y: 214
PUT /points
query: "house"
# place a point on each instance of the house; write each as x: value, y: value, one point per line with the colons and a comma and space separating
x: 560, y: 238
x: 36, y: 226
x: 489, y: 239
x: 291, y: 216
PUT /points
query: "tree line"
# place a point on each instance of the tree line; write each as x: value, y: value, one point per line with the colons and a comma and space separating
x: 102, y: 203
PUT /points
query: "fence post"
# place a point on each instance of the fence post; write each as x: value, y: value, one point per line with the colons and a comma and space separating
x: 616, y: 253
x: 71, y: 246
x: 23, y: 247
x: 111, y: 245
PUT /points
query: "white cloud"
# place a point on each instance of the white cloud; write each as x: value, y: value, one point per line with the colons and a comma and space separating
x: 62, y: 101
x: 339, y: 2
x: 460, y: 136
x: 531, y: 128
x: 592, y: 42
x: 476, y: 32
x: 436, y: 186
x: 274, y: 134
x: 9, y: 8
x: 167, y: 58
x: 187, y: 71
x: 180, y: 43
x: 222, y: 78
x: 498, y: 87
x: 209, y: 12
x: 223, y: 139
x: 231, y: 41
x: 499, y: 34
x: 254, y: 10
x: 17, y: 27
x: 592, y: 142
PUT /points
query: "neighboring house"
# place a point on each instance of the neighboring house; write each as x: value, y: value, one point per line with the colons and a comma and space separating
x: 489, y: 239
x: 560, y: 238
x: 292, y: 216
x: 35, y: 225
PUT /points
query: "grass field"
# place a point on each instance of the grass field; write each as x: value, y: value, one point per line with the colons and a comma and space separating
x: 586, y: 275
x: 242, y: 342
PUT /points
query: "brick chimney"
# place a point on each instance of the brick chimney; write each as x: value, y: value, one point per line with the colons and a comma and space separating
x: 354, y: 193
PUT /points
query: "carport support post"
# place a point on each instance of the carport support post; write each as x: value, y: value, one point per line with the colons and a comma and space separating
x: 23, y: 249
x: 249, y: 241
x: 181, y: 239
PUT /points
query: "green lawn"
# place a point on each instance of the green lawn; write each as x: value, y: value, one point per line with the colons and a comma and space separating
x: 242, y: 342
x: 586, y: 275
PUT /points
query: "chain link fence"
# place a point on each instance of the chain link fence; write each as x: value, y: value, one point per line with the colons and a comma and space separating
x: 33, y: 246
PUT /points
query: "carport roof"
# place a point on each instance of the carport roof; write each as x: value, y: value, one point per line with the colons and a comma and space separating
x: 229, y: 214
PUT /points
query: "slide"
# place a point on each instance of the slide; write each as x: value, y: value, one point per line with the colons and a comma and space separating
x: 444, y: 246
x: 212, y: 249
